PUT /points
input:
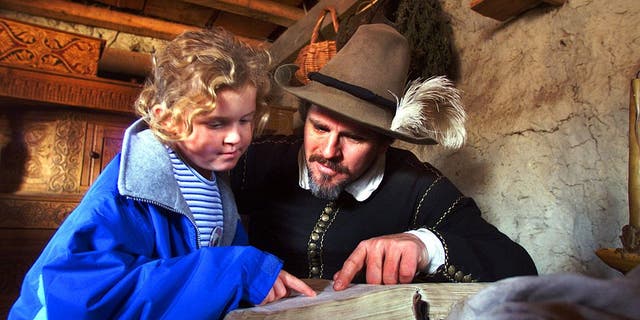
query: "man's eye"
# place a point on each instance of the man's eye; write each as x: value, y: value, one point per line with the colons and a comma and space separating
x: 322, y: 129
x: 215, y: 125
x: 356, y: 139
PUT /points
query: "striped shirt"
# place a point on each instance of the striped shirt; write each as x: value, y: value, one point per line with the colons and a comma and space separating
x: 203, y: 198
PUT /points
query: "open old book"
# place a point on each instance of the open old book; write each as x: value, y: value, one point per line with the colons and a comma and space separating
x: 362, y: 301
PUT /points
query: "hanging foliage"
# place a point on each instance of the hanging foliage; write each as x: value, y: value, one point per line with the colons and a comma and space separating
x: 422, y: 22
x: 429, y: 34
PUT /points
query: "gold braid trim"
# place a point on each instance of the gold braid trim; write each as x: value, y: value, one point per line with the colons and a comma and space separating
x: 447, y: 270
x: 424, y: 195
x: 446, y: 213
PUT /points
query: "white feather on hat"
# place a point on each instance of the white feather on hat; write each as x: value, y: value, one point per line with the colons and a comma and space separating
x: 431, y: 108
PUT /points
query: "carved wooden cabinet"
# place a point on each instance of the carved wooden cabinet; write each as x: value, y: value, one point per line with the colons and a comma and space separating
x: 48, y: 158
x: 57, y: 132
x: 102, y: 143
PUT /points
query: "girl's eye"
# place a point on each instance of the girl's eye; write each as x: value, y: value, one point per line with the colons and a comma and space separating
x: 215, y: 125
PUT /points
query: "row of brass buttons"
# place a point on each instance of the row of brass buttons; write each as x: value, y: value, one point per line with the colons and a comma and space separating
x: 458, y: 275
x: 316, y: 239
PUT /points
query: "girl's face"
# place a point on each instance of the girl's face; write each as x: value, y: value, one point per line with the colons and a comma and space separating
x: 222, y: 136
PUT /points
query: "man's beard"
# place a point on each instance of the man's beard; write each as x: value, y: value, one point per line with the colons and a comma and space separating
x: 321, y: 188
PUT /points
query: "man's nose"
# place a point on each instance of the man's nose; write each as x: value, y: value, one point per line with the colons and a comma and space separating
x: 331, y: 148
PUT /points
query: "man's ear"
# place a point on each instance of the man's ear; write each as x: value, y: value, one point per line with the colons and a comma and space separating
x: 384, y: 146
x: 384, y: 143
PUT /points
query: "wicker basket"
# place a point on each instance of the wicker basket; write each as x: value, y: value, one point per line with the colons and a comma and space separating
x: 316, y: 54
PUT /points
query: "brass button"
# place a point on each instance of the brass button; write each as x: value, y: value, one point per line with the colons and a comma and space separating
x: 458, y: 276
x: 466, y: 278
x: 312, y: 246
x: 315, y: 270
x: 324, y: 217
x: 313, y: 253
x: 315, y: 236
x: 451, y: 270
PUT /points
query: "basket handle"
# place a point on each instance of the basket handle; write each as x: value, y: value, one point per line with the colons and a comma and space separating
x: 334, y: 20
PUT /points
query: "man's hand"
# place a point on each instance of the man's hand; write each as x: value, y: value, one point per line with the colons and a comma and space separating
x: 389, y: 259
x: 283, y: 286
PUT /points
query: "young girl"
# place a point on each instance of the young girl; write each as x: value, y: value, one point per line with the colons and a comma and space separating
x: 158, y: 234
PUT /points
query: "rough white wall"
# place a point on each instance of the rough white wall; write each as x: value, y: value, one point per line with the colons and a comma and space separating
x: 547, y: 95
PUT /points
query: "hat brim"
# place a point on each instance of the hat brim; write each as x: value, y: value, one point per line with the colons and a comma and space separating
x: 355, y: 109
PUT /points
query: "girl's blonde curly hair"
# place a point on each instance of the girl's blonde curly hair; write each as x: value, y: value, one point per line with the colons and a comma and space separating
x: 188, y: 73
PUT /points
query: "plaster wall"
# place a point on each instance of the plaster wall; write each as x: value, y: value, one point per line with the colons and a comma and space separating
x: 547, y: 94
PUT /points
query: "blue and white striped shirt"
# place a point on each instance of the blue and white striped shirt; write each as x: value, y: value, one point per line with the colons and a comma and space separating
x: 203, y: 198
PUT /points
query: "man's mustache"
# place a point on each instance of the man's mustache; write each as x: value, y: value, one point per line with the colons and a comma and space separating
x: 335, y: 166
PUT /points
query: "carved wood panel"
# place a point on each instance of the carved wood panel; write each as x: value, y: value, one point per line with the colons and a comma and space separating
x: 37, y: 86
x: 46, y: 165
x: 48, y: 49
x: 50, y: 159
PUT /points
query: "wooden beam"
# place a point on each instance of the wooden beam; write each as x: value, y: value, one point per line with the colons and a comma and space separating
x: 265, y: 10
x: 96, y: 16
x: 127, y: 4
x: 29, y: 84
x: 287, y: 46
x: 555, y: 2
x: 505, y: 9
x: 125, y: 62
x: 104, y: 18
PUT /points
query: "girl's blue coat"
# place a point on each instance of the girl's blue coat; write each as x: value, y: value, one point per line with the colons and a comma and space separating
x: 130, y: 250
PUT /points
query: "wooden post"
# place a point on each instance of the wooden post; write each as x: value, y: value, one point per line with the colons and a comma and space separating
x: 505, y: 9
x: 628, y: 258
x: 634, y: 155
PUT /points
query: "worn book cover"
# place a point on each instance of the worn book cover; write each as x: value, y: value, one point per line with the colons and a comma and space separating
x: 363, y: 301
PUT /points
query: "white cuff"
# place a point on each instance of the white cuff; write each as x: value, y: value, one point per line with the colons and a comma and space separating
x: 435, y: 249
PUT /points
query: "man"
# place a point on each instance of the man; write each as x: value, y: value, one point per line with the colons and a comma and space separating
x: 343, y: 203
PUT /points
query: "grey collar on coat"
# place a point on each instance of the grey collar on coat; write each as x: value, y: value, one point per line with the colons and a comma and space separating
x: 145, y: 170
x: 146, y: 174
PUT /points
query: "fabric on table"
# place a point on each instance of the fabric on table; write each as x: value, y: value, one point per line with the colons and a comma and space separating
x: 556, y: 296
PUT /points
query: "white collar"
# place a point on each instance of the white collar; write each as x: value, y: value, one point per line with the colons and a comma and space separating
x: 360, y: 189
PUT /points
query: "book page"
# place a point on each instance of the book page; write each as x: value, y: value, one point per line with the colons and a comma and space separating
x: 325, y: 294
x: 363, y: 301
